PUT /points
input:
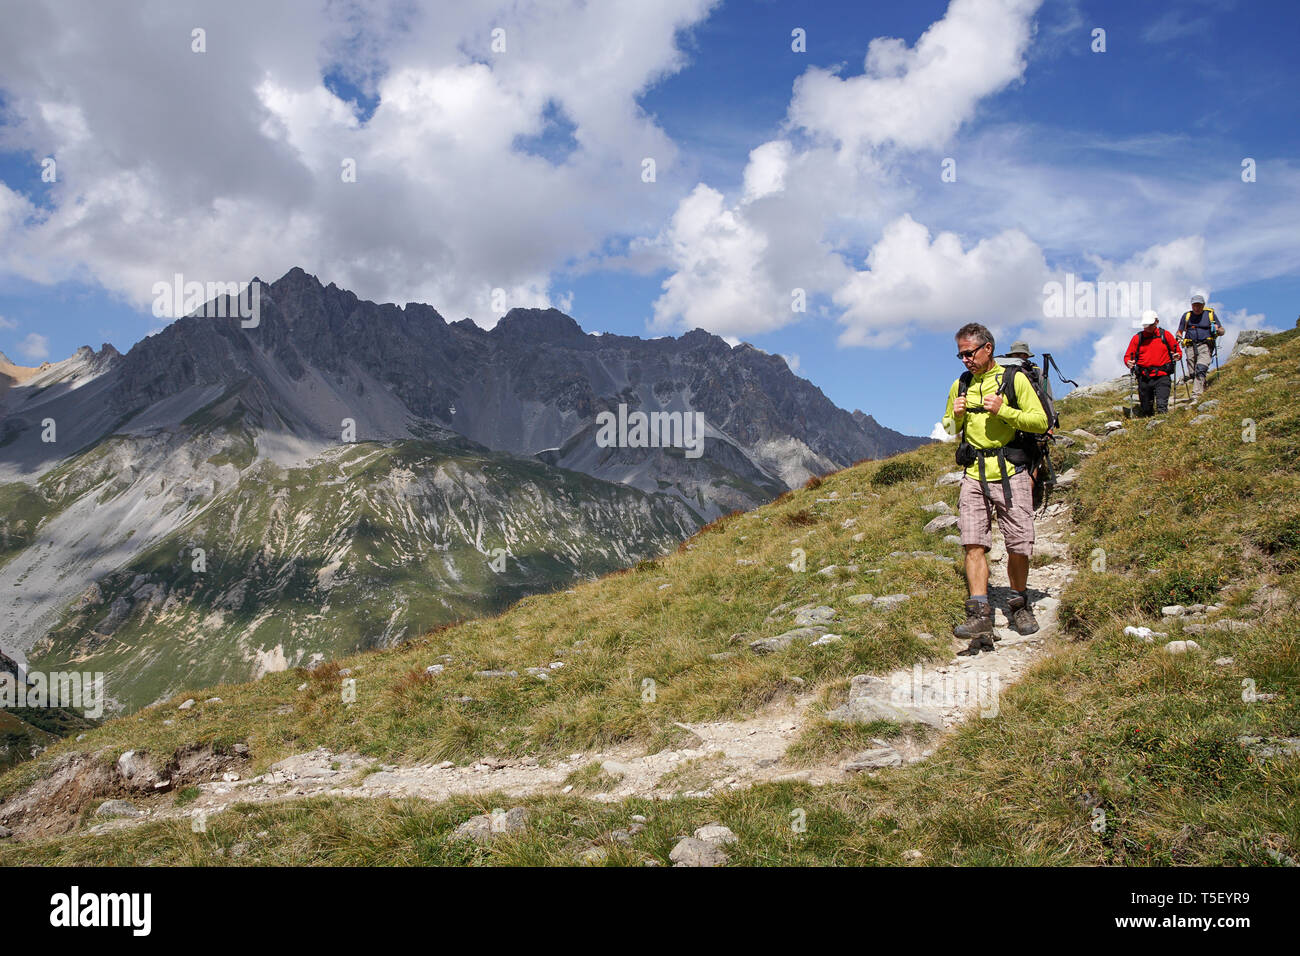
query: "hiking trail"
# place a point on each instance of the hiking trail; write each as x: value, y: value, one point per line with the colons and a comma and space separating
x: 721, y: 755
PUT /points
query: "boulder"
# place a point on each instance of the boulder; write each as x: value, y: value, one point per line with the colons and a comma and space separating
x: 489, y: 826
x: 873, y: 760
x: 810, y: 614
x: 870, y: 699
x: 769, y: 645
x: 715, y: 833
x: 691, y: 851
x: 940, y: 523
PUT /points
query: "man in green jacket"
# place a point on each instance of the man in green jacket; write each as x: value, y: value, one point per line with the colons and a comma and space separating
x: 989, y: 424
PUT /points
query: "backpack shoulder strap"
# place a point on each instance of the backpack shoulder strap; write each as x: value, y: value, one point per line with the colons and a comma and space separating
x: 1168, y: 339
x: 1008, y: 388
x: 963, y: 383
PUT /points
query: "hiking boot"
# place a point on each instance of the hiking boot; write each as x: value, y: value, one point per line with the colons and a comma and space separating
x: 1022, y: 618
x: 982, y: 643
x: 979, y: 620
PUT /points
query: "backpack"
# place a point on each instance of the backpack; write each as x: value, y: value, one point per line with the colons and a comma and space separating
x: 1027, y: 451
x: 1148, y: 371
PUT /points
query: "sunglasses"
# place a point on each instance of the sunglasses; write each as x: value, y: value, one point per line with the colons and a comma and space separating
x: 970, y: 353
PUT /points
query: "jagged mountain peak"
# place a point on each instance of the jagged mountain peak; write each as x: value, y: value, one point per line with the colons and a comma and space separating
x: 538, y: 325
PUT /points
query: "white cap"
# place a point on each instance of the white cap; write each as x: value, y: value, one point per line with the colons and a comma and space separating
x: 1198, y: 297
x: 1149, y: 317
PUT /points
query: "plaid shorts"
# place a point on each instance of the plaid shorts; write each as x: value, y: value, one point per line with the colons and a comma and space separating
x: 975, y: 513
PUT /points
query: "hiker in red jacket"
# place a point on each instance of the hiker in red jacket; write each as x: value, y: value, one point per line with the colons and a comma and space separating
x: 1153, y: 354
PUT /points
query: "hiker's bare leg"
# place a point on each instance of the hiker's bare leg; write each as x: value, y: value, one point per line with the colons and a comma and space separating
x: 977, y: 569
x: 1017, y: 570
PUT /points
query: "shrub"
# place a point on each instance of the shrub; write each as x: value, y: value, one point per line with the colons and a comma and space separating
x: 1182, y: 586
x: 892, y: 472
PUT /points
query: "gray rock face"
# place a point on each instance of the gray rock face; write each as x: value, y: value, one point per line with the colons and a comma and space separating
x: 116, y: 809
x: 1201, y: 419
x: 1271, y: 746
x: 138, y: 771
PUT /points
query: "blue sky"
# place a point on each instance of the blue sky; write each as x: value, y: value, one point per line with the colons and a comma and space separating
x: 520, y: 169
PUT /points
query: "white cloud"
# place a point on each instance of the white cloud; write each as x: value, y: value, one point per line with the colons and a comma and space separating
x: 913, y: 281
x: 720, y: 284
x: 938, y: 433
x: 792, y: 362
x: 445, y: 206
x: 34, y: 347
x: 738, y: 264
x: 9, y: 324
x: 917, y: 98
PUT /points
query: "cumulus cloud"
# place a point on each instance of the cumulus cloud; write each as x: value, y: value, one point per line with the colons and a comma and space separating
x: 918, y: 97
x: 912, y: 280
x: 7, y: 324
x: 230, y: 162
x: 740, y: 266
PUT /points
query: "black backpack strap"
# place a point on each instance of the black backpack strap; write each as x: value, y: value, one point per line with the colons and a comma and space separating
x: 963, y: 383
x: 1008, y: 386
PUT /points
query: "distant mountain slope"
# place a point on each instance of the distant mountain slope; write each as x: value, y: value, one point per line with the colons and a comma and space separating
x: 280, y: 451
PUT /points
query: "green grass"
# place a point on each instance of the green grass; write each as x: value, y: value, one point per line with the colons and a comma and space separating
x: 1107, y: 724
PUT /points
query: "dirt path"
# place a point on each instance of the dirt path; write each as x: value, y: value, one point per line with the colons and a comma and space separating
x: 721, y: 755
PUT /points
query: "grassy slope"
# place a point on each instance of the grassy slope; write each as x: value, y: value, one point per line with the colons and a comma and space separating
x: 1181, y: 512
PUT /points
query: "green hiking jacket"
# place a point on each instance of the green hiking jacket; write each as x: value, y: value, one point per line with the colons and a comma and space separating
x: 993, y: 431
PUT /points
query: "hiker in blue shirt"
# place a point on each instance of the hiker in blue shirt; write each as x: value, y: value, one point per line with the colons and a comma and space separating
x: 1197, y: 330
